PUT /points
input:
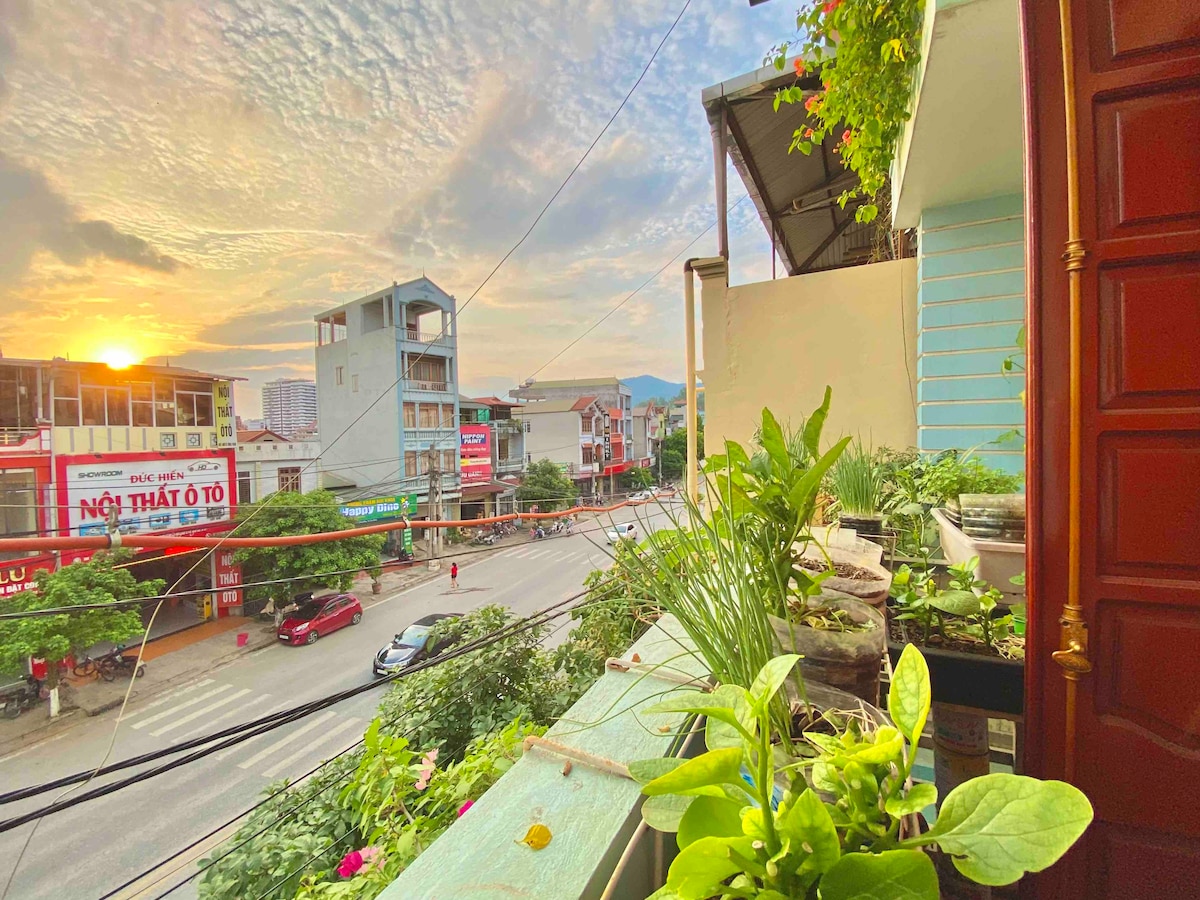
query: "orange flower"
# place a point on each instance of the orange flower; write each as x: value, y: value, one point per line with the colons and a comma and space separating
x: 799, y: 64
x: 831, y: 6
x: 811, y: 102
x: 846, y: 136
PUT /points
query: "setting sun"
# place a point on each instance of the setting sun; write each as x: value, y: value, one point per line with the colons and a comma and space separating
x: 117, y: 358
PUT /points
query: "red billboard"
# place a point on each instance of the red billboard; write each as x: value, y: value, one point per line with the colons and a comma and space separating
x: 475, y: 452
x: 20, y: 575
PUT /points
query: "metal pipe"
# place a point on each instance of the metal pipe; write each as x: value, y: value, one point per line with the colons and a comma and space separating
x: 720, y: 128
x: 692, y: 483
x: 610, y: 889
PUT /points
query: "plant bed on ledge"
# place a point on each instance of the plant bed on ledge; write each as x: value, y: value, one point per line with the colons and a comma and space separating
x: 975, y: 658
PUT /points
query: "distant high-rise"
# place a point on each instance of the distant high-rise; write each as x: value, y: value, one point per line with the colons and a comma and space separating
x: 289, y: 405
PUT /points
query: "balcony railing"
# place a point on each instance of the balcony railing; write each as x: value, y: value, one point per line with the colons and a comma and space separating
x: 439, y: 387
x: 10, y: 437
x: 423, y: 337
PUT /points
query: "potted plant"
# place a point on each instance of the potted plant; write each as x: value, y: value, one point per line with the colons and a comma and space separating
x: 739, y: 582
x: 856, y: 481
x: 969, y: 636
x: 843, y: 826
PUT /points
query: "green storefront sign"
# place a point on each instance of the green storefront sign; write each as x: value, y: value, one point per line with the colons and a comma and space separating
x: 379, y: 509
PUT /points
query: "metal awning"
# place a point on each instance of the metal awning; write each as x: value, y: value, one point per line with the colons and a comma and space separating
x: 795, y: 195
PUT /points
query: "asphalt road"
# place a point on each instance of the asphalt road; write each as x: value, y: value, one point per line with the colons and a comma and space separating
x: 88, y: 850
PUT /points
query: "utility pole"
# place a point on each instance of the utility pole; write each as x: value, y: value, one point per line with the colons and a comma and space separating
x: 435, y: 507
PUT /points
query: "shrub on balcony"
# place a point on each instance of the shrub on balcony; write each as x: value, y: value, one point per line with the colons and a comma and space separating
x: 866, y: 54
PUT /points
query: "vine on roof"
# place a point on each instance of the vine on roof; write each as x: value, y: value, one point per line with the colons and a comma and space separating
x: 865, y: 53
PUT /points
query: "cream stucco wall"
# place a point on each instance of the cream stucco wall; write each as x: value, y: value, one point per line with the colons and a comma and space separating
x: 778, y: 343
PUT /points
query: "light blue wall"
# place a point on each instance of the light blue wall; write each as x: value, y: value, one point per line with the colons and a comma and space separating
x: 971, y: 304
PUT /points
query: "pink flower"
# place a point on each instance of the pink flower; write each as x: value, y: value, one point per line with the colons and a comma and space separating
x: 462, y: 809
x: 811, y: 102
x: 372, y: 857
x: 846, y: 136
x: 351, y: 863
x: 427, y: 768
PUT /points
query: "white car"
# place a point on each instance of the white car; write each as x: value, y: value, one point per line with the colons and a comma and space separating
x: 624, y: 532
x: 642, y: 495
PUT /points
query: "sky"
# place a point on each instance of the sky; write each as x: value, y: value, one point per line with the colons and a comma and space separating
x: 196, y: 180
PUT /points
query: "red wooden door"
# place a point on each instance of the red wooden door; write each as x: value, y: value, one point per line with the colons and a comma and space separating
x: 1136, y: 748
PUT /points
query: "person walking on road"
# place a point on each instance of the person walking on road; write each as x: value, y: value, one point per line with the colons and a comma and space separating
x: 454, y: 575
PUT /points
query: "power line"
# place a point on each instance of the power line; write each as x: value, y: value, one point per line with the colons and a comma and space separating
x: 287, y: 813
x: 636, y: 291
x: 253, y: 728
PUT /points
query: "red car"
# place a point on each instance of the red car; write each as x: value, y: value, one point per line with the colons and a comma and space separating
x: 319, y: 616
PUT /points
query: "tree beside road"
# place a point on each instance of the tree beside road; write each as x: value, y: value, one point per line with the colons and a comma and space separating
x: 546, y: 485
x: 54, y: 638
x: 288, y: 513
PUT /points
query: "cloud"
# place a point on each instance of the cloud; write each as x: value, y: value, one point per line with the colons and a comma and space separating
x: 34, y: 217
x: 289, y: 324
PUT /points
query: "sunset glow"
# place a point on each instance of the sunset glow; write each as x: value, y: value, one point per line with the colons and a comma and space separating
x: 117, y: 358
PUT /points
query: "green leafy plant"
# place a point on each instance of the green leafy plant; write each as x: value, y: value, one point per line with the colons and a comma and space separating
x: 673, y: 452
x: 100, y: 580
x: 615, y: 614
x: 478, y: 693
x: 856, y: 480
x: 839, y: 833
x: 547, y: 486
x: 955, y: 472
x: 289, y: 513
x: 770, y: 497
x: 966, y: 610
x: 855, y: 67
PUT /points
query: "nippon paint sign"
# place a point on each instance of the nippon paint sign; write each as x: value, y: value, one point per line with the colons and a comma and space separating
x: 145, y: 492
x: 475, y: 452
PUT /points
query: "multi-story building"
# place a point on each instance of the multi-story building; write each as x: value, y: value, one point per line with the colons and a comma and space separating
x: 569, y: 433
x: 85, y: 448
x: 387, y: 395
x: 268, y: 462
x: 289, y: 406
x: 616, y: 402
x: 648, y: 431
x: 506, y: 437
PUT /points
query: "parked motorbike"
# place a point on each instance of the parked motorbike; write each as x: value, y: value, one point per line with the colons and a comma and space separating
x: 19, y: 697
x: 537, y: 533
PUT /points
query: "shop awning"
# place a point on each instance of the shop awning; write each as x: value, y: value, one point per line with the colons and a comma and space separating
x: 481, y: 490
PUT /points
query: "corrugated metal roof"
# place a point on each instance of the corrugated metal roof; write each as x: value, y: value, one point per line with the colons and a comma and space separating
x: 795, y: 195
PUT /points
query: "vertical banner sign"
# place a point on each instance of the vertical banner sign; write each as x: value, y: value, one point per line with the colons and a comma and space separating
x: 475, y: 446
x: 223, y: 407
x: 227, y: 578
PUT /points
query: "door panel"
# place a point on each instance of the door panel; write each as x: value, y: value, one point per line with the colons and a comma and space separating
x: 1137, y: 724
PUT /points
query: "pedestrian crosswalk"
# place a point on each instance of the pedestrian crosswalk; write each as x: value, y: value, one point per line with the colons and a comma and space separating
x: 208, y: 705
x: 590, y: 557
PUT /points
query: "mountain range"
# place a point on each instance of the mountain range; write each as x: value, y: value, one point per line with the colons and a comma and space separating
x: 647, y: 387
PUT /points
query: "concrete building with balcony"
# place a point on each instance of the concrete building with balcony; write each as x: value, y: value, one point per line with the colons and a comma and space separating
x: 150, y: 446
x: 268, y: 462
x: 569, y: 433
x: 387, y: 394
x: 616, y: 401
x: 649, y: 429
x: 290, y: 406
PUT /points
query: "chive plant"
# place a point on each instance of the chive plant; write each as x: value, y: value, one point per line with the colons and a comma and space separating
x: 856, y: 480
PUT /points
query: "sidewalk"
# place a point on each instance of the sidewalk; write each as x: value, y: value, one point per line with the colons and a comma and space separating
x: 186, y: 654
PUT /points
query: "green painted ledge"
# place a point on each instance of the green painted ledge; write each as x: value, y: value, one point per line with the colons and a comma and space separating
x: 591, y: 813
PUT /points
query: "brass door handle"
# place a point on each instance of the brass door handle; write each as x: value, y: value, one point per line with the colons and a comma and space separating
x: 1073, y: 659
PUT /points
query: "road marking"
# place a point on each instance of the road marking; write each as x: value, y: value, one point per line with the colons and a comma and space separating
x: 283, y: 704
x: 333, y: 732
x: 228, y: 698
x: 170, y: 695
x: 283, y: 742
x: 174, y: 709
x: 207, y: 726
